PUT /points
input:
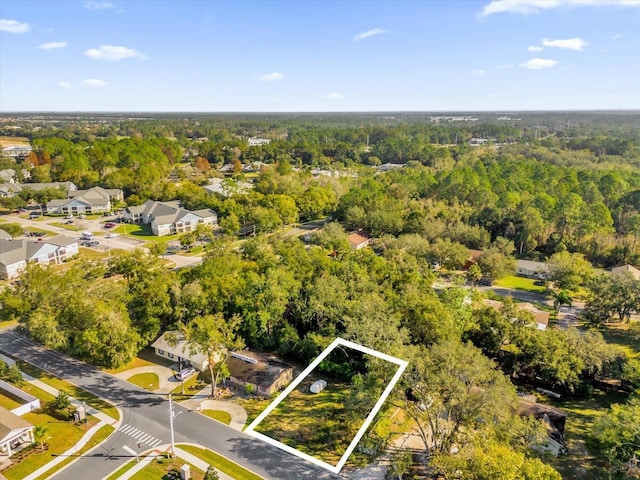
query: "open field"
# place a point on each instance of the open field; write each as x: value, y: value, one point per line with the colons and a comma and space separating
x: 8, y: 141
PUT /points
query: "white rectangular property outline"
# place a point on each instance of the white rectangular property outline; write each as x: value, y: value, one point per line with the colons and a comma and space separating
x: 402, y: 364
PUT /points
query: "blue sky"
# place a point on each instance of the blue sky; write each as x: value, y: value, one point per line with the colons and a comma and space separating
x: 298, y: 55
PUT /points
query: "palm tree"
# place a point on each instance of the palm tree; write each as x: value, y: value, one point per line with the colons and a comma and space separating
x: 40, y: 435
x: 561, y: 297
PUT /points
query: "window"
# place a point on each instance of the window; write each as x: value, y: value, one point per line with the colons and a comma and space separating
x: 160, y: 352
x: 170, y: 355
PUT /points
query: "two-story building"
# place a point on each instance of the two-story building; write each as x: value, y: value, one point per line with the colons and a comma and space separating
x: 16, y: 254
x: 94, y: 200
x: 167, y: 218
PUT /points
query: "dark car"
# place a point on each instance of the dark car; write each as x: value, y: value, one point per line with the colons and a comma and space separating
x: 485, y: 282
x: 540, y: 283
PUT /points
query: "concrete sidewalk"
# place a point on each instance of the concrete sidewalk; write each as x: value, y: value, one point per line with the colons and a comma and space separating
x: 102, y: 420
x: 186, y: 456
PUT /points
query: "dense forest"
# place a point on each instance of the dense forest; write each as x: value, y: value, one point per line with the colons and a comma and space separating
x: 561, y: 188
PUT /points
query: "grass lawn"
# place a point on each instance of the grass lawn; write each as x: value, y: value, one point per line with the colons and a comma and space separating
x: 624, y: 336
x: 145, y: 358
x: 40, y: 230
x: 8, y: 323
x: 580, y: 463
x: 520, y: 283
x: 221, y: 463
x: 148, y: 381
x: 193, y: 384
x: 97, y: 438
x: 10, y: 403
x: 71, y: 389
x: 62, y: 436
x: 156, y: 470
x: 254, y: 406
x: 65, y: 226
x: 219, y: 415
x: 142, y: 231
x: 316, y: 424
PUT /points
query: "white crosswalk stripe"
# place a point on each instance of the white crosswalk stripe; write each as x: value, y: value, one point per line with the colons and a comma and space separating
x: 140, y: 436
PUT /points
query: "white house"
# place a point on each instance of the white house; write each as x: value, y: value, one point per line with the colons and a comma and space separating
x: 167, y: 218
x: 94, y: 200
x: 17, y: 151
x: 531, y: 269
x: 255, y: 141
x: 15, y: 254
x: 179, y: 351
x: 14, y: 431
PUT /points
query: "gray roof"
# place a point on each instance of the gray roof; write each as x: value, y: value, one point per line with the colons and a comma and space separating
x: 4, y: 235
x: 10, y: 422
x: 180, y: 349
x: 97, y: 193
x: 533, y: 266
x: 12, y: 251
x: 41, y: 186
x: 167, y: 212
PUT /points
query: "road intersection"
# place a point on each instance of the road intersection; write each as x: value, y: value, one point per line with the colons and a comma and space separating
x: 145, y: 419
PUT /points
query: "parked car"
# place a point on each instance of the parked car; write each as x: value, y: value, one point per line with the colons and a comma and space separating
x: 485, y: 282
x: 69, y: 217
x: 185, y: 373
x: 109, y: 225
x: 111, y: 235
x: 68, y: 222
x: 90, y: 243
x: 34, y: 215
x: 540, y: 283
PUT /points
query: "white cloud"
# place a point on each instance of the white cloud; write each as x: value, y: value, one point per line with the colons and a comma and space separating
x: 479, y: 73
x: 534, y: 48
x: 568, y: 43
x: 527, y: 7
x: 112, y: 52
x: 13, y: 26
x: 271, y: 77
x: 65, y: 84
x: 369, y: 33
x: 92, y: 82
x: 539, y: 63
x: 98, y: 5
x: 334, y: 96
x: 52, y: 45
x: 506, y: 66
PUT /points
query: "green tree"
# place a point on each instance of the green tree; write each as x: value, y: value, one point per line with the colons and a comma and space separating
x: 456, y: 391
x: 569, y: 271
x: 215, y: 337
x: 40, y: 435
x: 474, y: 274
x: 211, y: 474
x: 560, y: 297
x: 617, y: 434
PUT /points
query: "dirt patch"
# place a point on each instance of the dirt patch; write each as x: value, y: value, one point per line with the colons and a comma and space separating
x: 9, y: 141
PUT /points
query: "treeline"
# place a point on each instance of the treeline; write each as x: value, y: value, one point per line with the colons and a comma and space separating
x: 285, y: 297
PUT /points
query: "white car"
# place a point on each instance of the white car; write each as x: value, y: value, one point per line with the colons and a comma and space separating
x: 185, y: 373
x: 111, y: 235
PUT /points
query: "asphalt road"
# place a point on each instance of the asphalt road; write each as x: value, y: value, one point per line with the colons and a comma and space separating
x: 145, y: 418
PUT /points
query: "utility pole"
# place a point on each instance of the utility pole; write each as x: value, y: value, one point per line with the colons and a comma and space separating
x: 172, y: 415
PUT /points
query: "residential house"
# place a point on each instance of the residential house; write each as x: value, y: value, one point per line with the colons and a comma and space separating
x: 256, y: 141
x: 167, y: 218
x: 635, y: 273
x: 14, y: 432
x: 265, y: 374
x: 531, y: 269
x: 9, y: 189
x: 17, y: 151
x: 228, y: 187
x: 15, y: 254
x: 554, y: 421
x: 174, y: 347
x: 36, y: 187
x: 94, y: 200
x: 7, y: 175
x: 359, y: 240
x: 474, y: 255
